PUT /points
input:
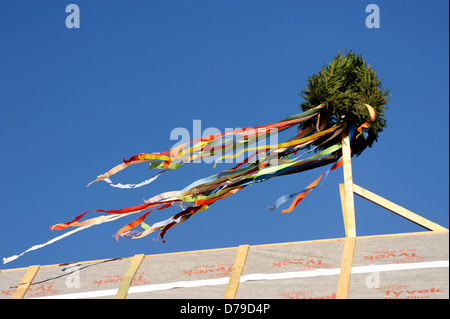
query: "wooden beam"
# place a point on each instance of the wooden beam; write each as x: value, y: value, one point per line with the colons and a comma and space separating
x: 349, y: 206
x: 348, y: 211
x: 403, y: 212
x: 346, y: 267
x: 236, y: 273
x: 26, y: 281
x: 344, y: 215
x: 129, y: 275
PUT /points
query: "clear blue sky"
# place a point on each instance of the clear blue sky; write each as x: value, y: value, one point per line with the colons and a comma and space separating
x: 75, y: 102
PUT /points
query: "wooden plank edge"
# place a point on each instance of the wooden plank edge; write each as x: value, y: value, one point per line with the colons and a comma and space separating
x: 238, y: 267
x: 344, y: 210
x: 348, y: 187
x: 397, y: 209
x: 346, y: 267
x: 26, y: 281
x: 128, y: 276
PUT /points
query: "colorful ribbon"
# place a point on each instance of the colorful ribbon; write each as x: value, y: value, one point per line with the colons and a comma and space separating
x: 267, y: 161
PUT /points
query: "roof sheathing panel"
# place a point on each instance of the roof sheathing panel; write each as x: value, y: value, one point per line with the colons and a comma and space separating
x: 412, y: 265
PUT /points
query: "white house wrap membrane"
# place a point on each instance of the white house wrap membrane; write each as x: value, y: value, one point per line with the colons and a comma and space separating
x: 402, y: 266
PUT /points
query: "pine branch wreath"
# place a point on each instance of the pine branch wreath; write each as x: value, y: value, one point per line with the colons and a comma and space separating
x: 344, y: 86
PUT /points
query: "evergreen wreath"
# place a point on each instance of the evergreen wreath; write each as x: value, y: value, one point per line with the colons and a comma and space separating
x: 343, y: 87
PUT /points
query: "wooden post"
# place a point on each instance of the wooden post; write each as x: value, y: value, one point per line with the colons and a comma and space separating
x: 25, y: 283
x: 128, y: 277
x: 348, y: 203
x: 346, y: 267
x: 235, y: 276
x: 344, y: 210
x: 348, y: 211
